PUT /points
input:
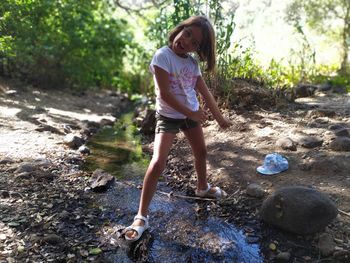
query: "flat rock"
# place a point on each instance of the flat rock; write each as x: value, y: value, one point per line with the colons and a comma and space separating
x: 100, y: 180
x: 286, y: 144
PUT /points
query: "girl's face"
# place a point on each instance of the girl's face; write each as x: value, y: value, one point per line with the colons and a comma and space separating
x: 188, y: 40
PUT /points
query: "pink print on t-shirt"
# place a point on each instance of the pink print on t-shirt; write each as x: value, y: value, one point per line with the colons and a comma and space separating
x: 185, y: 79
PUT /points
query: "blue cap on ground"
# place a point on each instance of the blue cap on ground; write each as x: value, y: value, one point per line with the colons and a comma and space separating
x: 274, y: 163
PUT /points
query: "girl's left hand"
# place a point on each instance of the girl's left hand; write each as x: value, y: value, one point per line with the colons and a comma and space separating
x: 224, y: 123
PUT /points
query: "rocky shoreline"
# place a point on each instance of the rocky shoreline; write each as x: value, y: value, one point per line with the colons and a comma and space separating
x: 50, y: 214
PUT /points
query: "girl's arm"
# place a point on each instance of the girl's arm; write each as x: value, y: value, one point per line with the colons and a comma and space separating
x: 162, y: 78
x: 211, y: 103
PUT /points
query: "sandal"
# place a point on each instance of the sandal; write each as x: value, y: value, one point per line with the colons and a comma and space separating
x: 138, y: 229
x: 218, y: 194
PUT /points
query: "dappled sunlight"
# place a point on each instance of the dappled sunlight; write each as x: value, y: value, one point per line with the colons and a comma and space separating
x: 6, y: 112
x: 87, y: 115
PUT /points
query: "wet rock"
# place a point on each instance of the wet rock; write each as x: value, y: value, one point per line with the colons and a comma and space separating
x: 255, y: 190
x: 326, y: 244
x: 73, y: 141
x: 100, y: 180
x: 84, y: 149
x: 340, y: 144
x: 299, y: 210
x: 342, y: 132
x: 286, y: 144
x: 282, y: 257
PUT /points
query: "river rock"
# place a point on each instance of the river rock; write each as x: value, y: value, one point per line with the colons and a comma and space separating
x: 84, y: 149
x: 255, y: 190
x: 309, y: 141
x: 298, y: 209
x: 340, y: 143
x: 100, y: 180
x: 73, y: 141
x: 286, y: 144
x: 6, y: 160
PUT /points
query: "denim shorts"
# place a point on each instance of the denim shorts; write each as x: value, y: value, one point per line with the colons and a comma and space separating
x: 166, y: 124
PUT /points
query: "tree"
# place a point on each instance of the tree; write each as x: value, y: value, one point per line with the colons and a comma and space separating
x: 330, y: 17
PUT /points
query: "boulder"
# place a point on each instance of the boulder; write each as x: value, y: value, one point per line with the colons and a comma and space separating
x: 299, y: 210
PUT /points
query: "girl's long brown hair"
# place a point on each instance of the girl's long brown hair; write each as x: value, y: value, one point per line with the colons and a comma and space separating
x: 206, y: 51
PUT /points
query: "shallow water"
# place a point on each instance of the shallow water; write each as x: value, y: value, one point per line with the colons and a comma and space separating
x: 176, y: 233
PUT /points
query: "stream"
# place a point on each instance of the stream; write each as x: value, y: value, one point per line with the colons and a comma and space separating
x: 176, y: 233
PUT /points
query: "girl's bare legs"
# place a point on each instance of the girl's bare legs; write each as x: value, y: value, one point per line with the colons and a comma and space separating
x: 196, y: 139
x: 162, y: 145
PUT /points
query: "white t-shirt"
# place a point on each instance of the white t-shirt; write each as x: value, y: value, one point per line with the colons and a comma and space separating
x: 183, y: 74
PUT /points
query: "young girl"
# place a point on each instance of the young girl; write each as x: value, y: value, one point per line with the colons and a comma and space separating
x: 177, y: 79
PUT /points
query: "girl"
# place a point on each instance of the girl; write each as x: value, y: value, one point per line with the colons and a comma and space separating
x: 177, y: 78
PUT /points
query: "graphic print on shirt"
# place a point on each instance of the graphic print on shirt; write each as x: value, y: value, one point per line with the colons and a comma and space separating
x: 183, y: 81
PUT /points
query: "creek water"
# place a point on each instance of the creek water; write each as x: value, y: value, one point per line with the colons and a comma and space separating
x: 176, y: 233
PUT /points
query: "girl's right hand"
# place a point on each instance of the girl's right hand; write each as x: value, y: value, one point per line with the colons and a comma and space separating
x: 198, y: 116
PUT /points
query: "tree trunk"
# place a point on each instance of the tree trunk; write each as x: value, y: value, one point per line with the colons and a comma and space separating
x: 344, y: 66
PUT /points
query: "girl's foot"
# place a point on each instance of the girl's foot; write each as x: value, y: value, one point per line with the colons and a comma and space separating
x: 211, y: 192
x: 135, y: 231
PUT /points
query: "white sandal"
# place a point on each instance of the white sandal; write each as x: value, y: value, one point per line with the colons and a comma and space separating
x: 138, y: 229
x: 218, y: 194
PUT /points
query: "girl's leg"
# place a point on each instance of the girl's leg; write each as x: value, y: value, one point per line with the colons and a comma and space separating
x: 162, y: 145
x: 196, y: 139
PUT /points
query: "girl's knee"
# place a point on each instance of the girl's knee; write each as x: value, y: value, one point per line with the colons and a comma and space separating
x: 158, y: 165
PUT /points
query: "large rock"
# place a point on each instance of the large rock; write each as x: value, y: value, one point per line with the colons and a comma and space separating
x: 299, y: 210
x: 100, y: 180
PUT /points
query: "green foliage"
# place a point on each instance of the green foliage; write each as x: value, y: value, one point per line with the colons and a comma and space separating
x: 328, y: 17
x: 61, y: 43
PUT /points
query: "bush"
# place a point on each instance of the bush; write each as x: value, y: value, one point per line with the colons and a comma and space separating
x: 61, y: 43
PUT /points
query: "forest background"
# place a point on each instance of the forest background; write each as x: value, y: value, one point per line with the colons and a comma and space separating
x: 109, y: 44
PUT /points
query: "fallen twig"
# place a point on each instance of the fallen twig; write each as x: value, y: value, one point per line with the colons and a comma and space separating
x: 193, y: 197
x: 343, y: 212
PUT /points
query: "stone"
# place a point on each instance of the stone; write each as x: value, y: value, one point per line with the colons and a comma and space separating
x: 73, y: 141
x: 100, y: 180
x: 299, y: 210
x: 25, y: 167
x: 340, y: 143
x: 309, y: 141
x: 342, y: 132
x: 84, y: 149
x: 286, y: 144
x: 52, y: 239
x: 255, y: 190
